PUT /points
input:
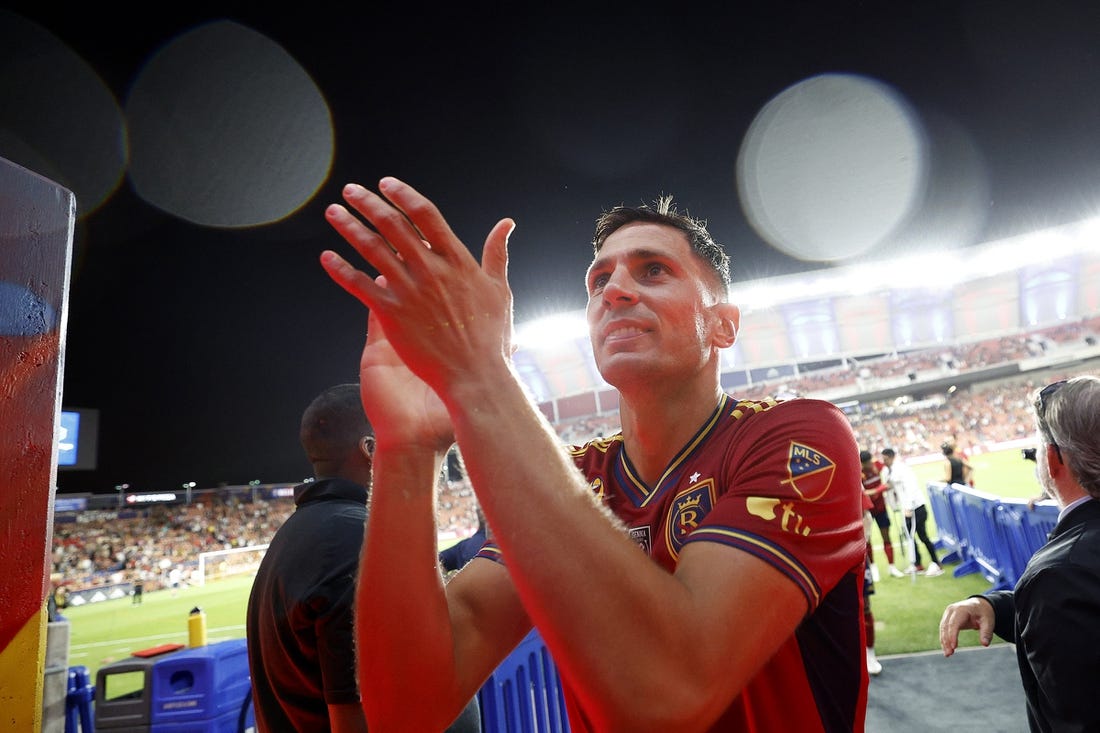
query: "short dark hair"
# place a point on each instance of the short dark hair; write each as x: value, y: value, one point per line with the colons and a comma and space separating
x: 864, y: 456
x: 889, y: 452
x: 333, y: 425
x: 664, y: 212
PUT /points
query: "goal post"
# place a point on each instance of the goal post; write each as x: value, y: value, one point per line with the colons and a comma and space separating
x: 218, y: 564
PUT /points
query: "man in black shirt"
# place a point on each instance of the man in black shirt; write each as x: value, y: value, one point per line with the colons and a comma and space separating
x: 300, y: 618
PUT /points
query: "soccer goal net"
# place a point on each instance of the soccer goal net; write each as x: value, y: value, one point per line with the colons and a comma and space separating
x: 219, y: 564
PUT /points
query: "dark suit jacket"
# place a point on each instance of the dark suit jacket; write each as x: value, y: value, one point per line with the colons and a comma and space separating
x: 1053, y: 617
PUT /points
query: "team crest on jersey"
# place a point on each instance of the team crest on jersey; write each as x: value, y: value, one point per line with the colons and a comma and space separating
x: 810, y: 472
x: 688, y: 510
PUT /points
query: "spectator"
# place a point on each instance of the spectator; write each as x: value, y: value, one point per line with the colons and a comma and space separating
x: 300, y: 620
x: 908, y: 498
x: 701, y: 570
x: 1051, y: 614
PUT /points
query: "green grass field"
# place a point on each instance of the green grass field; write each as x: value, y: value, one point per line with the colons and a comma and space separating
x: 907, y: 610
x: 104, y: 632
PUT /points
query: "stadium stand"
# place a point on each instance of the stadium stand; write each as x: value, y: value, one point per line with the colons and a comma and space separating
x: 909, y: 401
x: 98, y: 553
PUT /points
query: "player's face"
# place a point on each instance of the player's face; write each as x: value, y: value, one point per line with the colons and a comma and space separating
x: 650, y: 310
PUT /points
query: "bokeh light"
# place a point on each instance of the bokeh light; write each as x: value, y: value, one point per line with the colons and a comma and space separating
x: 831, y: 167
x: 227, y: 129
x: 58, y: 118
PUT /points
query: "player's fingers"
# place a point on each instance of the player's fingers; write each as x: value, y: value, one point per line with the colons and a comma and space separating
x: 370, y: 246
x: 424, y: 216
x: 356, y: 282
x: 375, y: 333
x: 949, y: 632
x: 494, y: 257
x: 494, y: 261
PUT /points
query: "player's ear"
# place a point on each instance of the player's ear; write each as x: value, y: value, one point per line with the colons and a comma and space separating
x: 1054, y: 460
x: 366, y: 444
x: 728, y: 321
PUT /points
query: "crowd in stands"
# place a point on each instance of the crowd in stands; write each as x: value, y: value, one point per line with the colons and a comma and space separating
x: 980, y: 417
x: 161, y: 543
x: 154, y: 544
x: 867, y: 374
x: 157, y: 544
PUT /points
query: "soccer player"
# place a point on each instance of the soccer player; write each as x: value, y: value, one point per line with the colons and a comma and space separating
x: 871, y: 475
x: 701, y: 570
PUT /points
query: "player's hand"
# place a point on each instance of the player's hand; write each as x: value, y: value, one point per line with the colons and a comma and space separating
x: 444, y: 315
x: 972, y: 613
x: 402, y: 409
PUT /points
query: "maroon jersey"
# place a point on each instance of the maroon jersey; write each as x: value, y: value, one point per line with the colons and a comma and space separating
x: 873, y: 482
x: 779, y: 480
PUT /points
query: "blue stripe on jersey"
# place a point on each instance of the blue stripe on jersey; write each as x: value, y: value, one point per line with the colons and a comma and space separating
x: 636, y: 489
x: 767, y: 551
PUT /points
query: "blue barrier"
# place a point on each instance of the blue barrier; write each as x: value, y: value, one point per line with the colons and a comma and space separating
x: 1009, y: 534
x: 949, y: 538
x: 1038, y: 523
x: 523, y: 694
x: 78, y: 701
x: 975, y: 512
x: 987, y: 534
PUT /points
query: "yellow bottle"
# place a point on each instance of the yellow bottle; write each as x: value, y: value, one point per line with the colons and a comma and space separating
x: 196, y: 628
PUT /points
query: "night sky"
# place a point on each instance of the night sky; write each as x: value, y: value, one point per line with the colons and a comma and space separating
x: 200, y: 322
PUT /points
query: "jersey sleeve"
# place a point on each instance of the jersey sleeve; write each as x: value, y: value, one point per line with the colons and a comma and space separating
x: 792, y: 495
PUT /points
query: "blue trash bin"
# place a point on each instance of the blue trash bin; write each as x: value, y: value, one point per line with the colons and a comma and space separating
x: 193, y: 690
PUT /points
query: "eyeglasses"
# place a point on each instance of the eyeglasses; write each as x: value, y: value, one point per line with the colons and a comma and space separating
x: 1041, y: 404
x: 1046, y: 393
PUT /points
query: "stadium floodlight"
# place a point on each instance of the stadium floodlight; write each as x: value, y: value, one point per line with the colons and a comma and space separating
x: 550, y: 332
x: 1088, y: 232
